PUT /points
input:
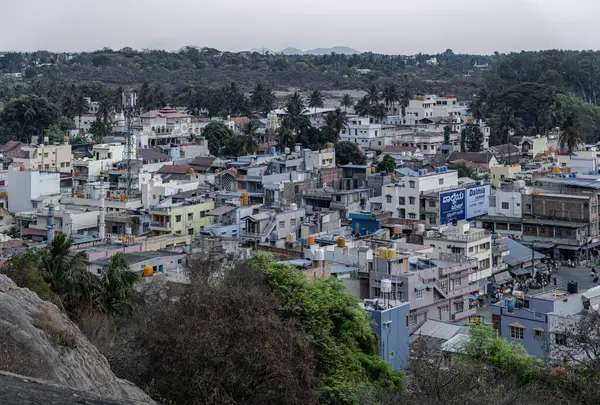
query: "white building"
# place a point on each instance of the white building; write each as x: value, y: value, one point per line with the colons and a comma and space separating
x: 427, y: 142
x: 360, y: 131
x: 48, y: 158
x: 29, y: 190
x: 402, y: 198
x: 428, y: 106
x: 154, y: 190
x: 506, y: 201
x: 87, y: 170
x: 464, y: 241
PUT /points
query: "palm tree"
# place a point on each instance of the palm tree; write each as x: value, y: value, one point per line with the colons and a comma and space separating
x: 67, y: 273
x: 250, y: 144
x: 262, y: 98
x: 363, y: 107
x: 81, y: 107
x: 378, y: 112
x: 336, y: 121
x: 571, y: 136
x: 29, y: 116
x: 404, y: 101
x: 346, y: 102
x: 295, y: 119
x: 391, y: 95
x: 372, y: 95
x: 285, y: 137
x: 116, y: 285
x: 316, y: 100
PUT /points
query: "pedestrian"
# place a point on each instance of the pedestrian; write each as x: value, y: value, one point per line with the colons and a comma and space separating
x: 593, y: 270
x: 554, y: 280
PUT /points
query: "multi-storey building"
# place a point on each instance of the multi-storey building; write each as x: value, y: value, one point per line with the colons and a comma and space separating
x: 181, y: 215
x: 89, y: 170
x: 45, y: 158
x: 361, y: 131
x: 403, y: 198
x: 428, y: 106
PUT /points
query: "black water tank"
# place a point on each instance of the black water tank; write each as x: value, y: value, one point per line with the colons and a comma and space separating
x: 572, y: 287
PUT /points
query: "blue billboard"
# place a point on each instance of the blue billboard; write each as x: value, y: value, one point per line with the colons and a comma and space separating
x: 478, y: 201
x: 453, y: 206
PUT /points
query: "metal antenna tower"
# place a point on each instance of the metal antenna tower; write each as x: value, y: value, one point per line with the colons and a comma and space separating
x: 130, y: 111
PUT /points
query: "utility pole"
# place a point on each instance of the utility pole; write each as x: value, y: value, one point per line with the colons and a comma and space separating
x: 130, y: 111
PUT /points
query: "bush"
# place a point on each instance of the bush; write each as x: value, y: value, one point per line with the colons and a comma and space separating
x: 51, y: 322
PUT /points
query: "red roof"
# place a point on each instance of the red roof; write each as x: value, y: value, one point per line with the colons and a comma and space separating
x: 35, y: 232
x: 174, y: 169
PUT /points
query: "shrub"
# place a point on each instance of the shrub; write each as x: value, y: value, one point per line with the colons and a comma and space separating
x: 51, y: 322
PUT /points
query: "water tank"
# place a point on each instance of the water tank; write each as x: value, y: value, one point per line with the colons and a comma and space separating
x: 274, y: 236
x: 438, y: 169
x: 572, y: 287
x: 272, y: 150
x: 217, y: 171
x: 148, y: 271
x: 397, y: 229
x: 122, y: 197
x: 341, y: 242
x: 372, y: 170
x: 386, y: 286
x: 391, y: 253
x: 294, y: 207
x: 311, y: 240
x: 394, y: 176
x: 330, y: 146
x: 297, y: 148
x: 286, y: 151
x: 22, y: 169
x: 192, y: 172
x: 127, y: 230
x: 292, y: 237
x: 556, y: 170
x: 383, y: 252
x: 510, y: 305
x: 420, y: 230
x: 3, y: 194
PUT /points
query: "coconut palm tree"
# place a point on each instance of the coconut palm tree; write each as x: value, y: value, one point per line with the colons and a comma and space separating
x: 336, y: 121
x: 373, y: 95
x: 363, y: 107
x: 390, y: 95
x: 81, y: 107
x: 285, y: 138
x: 316, y: 100
x: 116, y: 285
x: 67, y: 273
x: 295, y: 119
x: 404, y: 101
x: 571, y: 136
x: 378, y: 112
x: 250, y: 144
x: 346, y: 102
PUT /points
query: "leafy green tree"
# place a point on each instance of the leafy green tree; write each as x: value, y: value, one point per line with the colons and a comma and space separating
x: 262, y: 98
x: 348, y: 152
x: 339, y: 330
x: 346, y: 102
x: 295, y: 119
x: 316, y: 100
x: 387, y: 164
x: 372, y: 95
x: 464, y: 171
x: 250, y: 139
x: 404, y: 101
x: 55, y: 134
x: 100, y: 130
x: 471, y: 139
x: 447, y: 132
x: 27, y: 115
x: 378, y: 112
x: 81, y: 107
x: 363, y: 107
x: 217, y: 135
x: 116, y: 286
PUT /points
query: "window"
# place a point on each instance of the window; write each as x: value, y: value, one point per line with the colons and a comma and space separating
x: 191, y: 231
x: 67, y: 164
x: 46, y: 154
x: 419, y: 294
x: 293, y: 222
x: 457, y: 282
x: 441, y: 181
x: 412, y: 320
x: 388, y: 199
x: 504, y: 205
x: 412, y: 216
x: 401, y: 200
x: 177, y: 218
x: 459, y: 307
x: 444, y: 308
x: 191, y: 216
x: 411, y: 200
x: 432, y: 204
x: 516, y: 332
x: 560, y: 339
x: 62, y: 164
x: 411, y: 184
x: 282, y: 224
x: 526, y: 304
x: 538, y: 334
x: 154, y: 196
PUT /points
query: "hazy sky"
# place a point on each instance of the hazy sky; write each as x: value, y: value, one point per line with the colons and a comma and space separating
x: 388, y: 26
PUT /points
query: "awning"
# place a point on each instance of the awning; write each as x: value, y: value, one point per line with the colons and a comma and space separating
x: 592, y: 245
x: 520, y: 272
x: 502, y: 278
x: 473, y: 296
x: 568, y: 247
x: 516, y: 325
x: 541, y: 245
x: 539, y: 329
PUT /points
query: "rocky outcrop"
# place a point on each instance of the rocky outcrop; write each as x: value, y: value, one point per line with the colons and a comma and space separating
x: 37, y: 340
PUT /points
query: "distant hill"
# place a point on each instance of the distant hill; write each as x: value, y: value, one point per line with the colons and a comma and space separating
x: 317, y: 51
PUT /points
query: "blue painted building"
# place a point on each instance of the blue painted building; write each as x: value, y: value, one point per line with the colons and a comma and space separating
x: 391, y: 326
x: 364, y: 224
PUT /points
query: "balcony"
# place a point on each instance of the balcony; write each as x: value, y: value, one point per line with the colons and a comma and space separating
x: 464, y: 314
x: 160, y: 226
x: 468, y: 237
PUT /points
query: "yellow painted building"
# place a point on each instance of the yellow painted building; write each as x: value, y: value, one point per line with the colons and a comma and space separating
x: 181, y: 218
x: 499, y: 173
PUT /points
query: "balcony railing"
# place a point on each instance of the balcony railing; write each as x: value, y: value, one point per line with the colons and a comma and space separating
x: 157, y: 224
x: 458, y: 237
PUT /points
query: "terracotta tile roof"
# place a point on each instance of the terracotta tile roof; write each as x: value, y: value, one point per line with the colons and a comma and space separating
x: 475, y: 157
x: 202, y: 162
x: 150, y: 154
x: 174, y: 169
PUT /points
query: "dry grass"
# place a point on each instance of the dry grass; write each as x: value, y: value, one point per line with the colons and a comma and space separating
x: 16, y: 357
x: 52, y: 323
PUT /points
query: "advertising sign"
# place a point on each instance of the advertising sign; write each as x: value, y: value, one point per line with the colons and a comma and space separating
x: 452, y: 206
x: 478, y: 199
